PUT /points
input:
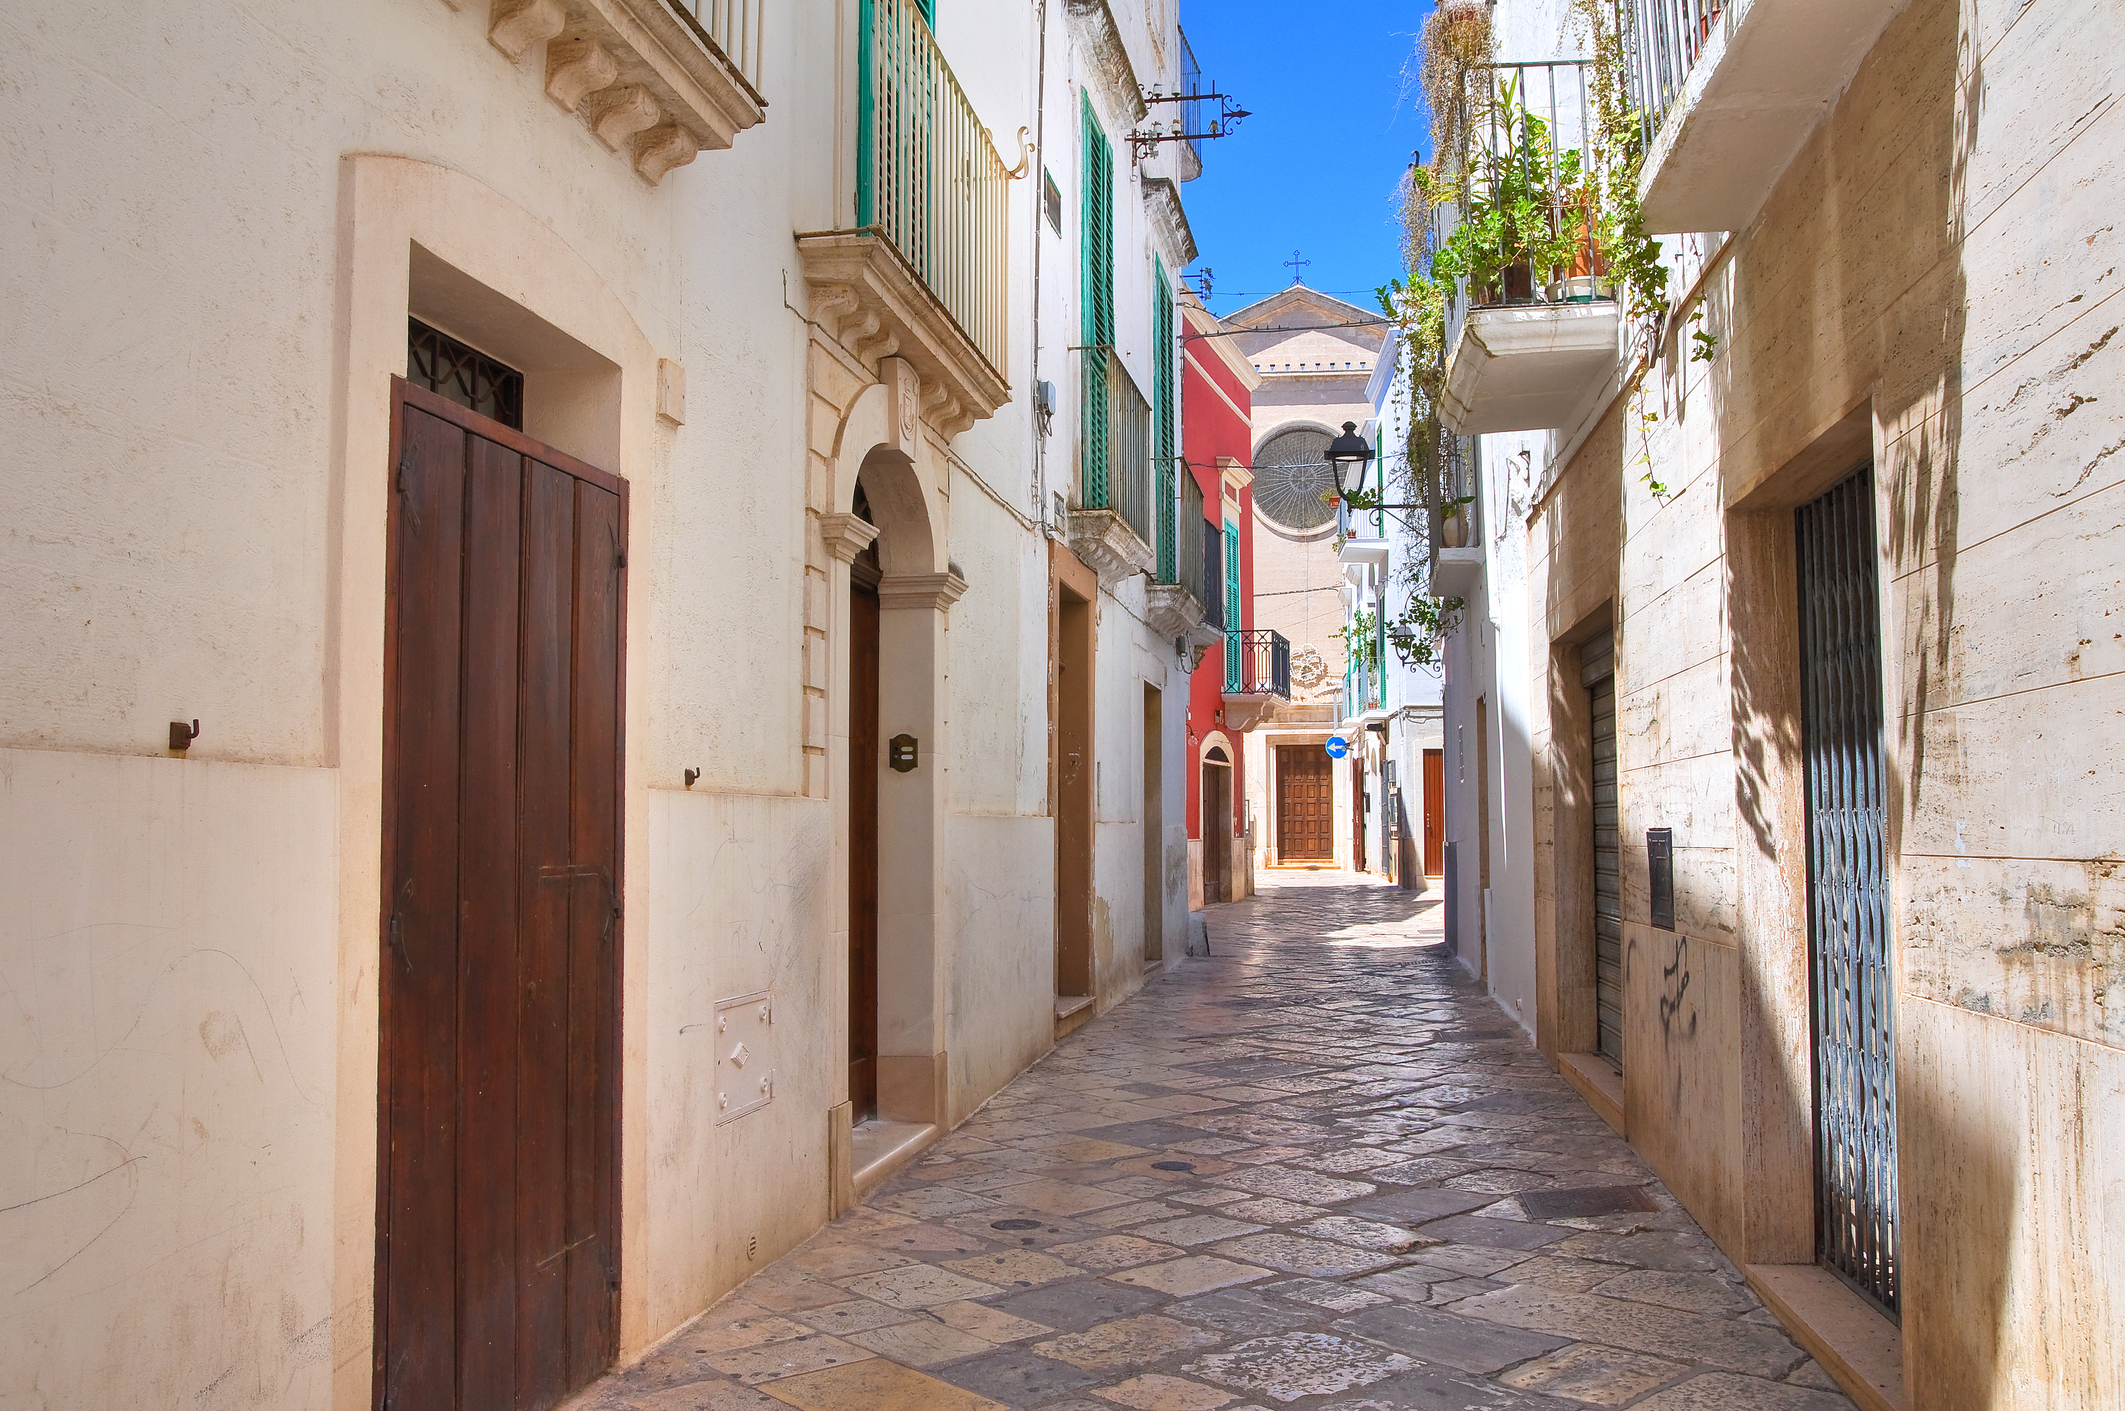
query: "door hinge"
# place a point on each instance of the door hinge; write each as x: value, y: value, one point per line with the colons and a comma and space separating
x: 402, y: 482
x: 395, y: 931
x: 612, y: 1266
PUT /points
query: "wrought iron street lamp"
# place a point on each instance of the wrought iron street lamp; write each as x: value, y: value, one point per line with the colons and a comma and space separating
x: 1348, y: 456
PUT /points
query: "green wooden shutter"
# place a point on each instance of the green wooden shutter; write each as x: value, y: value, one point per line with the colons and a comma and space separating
x: 1232, y: 606
x: 1162, y: 393
x: 1097, y: 300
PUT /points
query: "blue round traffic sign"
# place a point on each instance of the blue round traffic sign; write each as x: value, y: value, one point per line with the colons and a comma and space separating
x: 1337, y: 747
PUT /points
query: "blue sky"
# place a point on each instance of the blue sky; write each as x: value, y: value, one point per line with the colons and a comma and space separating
x: 1315, y: 167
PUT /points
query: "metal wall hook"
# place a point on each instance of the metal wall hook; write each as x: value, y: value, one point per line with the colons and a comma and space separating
x: 182, y: 735
x: 691, y: 775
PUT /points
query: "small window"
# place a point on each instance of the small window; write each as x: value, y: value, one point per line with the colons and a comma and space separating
x: 1051, y: 200
x: 465, y: 375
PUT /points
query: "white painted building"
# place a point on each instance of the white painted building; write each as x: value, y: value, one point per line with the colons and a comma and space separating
x: 565, y: 721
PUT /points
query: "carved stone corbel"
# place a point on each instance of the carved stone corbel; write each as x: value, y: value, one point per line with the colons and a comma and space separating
x: 619, y: 113
x: 846, y: 536
x: 831, y: 303
x: 515, y: 25
x: 661, y: 148
x: 936, y: 591
x: 576, y: 68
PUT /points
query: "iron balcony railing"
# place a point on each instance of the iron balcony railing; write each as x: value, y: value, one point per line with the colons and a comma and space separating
x: 928, y: 177
x: 1257, y: 663
x: 1198, y: 560
x: 1114, y: 466
x: 1212, y: 592
x: 1663, y: 39
x: 732, y: 28
x: 1526, y: 151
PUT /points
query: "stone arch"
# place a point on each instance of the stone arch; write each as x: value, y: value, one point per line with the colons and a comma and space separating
x: 878, y: 443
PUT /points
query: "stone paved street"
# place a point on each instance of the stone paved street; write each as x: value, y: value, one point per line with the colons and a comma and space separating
x: 1318, y: 1169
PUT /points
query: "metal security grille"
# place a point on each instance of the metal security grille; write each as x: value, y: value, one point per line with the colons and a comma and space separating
x: 464, y: 374
x: 1848, y: 912
x: 1597, y: 672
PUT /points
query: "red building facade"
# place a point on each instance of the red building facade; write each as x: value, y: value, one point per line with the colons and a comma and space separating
x: 1217, y: 387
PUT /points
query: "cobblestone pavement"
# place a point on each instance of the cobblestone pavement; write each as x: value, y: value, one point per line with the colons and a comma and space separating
x: 1319, y: 1169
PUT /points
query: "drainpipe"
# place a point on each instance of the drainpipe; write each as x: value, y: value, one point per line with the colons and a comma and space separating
x: 1039, y: 184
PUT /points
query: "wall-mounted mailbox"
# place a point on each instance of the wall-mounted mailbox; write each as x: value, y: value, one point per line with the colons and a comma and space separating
x: 900, y: 753
x: 1660, y: 875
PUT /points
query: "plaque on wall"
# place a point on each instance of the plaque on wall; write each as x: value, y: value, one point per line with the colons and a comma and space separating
x: 1660, y: 875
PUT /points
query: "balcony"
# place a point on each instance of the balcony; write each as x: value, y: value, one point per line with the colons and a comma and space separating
x: 1730, y: 89
x: 656, y: 80
x: 1257, y: 677
x: 1187, y: 601
x: 1114, y: 527
x: 1361, y: 538
x: 1534, y: 330
x: 923, y: 274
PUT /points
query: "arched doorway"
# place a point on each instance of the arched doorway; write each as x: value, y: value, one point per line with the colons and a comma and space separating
x: 888, y: 715
x: 1217, y: 824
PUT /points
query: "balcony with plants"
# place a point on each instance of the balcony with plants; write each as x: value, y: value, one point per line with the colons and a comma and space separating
x: 1532, y: 325
x: 923, y: 273
x: 1727, y: 91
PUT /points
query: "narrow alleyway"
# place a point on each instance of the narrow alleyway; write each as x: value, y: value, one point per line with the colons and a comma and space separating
x: 1319, y: 1169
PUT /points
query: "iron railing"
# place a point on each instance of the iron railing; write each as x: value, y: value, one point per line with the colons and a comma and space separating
x: 1114, y: 456
x: 1257, y: 663
x: 927, y: 175
x: 732, y: 28
x: 1190, y: 530
x: 1196, y: 113
x: 1663, y: 39
x: 1526, y: 147
x: 1212, y: 593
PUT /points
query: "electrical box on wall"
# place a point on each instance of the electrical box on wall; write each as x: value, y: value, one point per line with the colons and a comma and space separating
x: 745, y: 1054
x: 1660, y: 875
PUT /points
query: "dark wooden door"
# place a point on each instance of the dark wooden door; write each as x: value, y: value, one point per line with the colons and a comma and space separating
x: 864, y: 763
x: 1216, y: 834
x: 1304, y: 794
x: 497, y: 1269
x: 1434, y: 813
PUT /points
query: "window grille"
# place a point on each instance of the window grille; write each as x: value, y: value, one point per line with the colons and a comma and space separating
x: 464, y: 374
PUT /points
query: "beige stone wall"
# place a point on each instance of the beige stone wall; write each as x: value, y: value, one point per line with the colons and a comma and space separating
x: 1932, y: 284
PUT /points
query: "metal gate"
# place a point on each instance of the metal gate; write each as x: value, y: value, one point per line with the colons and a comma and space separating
x: 1854, y: 1009
x: 1597, y: 672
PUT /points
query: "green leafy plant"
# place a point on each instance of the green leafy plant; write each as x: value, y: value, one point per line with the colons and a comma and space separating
x: 1618, y: 154
x: 1420, y: 629
x: 1361, y: 640
x: 1523, y: 204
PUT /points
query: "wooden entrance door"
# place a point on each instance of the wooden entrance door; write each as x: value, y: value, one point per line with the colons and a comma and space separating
x: 1434, y: 813
x: 497, y: 1273
x: 1216, y: 826
x: 864, y: 764
x: 1304, y: 791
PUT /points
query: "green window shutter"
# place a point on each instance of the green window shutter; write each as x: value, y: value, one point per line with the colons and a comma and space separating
x: 1097, y: 299
x: 929, y: 12
x: 1162, y: 391
x: 1232, y: 606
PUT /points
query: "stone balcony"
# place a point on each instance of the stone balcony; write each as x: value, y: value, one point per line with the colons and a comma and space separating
x: 1529, y: 367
